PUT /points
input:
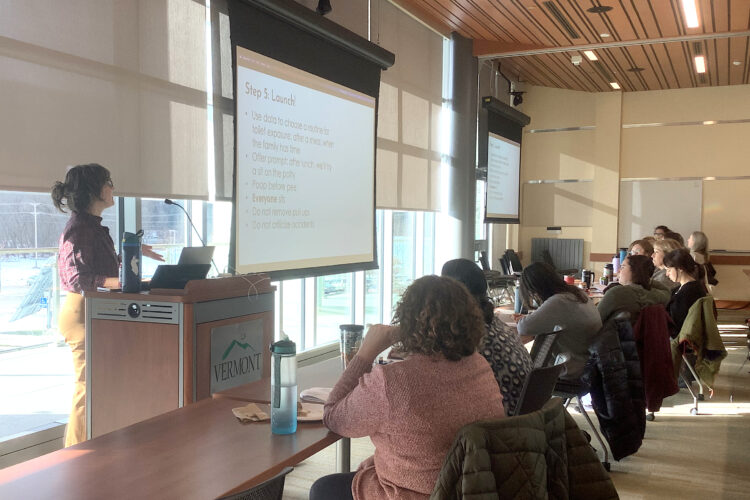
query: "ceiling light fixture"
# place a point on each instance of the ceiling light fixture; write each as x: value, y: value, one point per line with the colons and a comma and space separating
x: 691, y: 13
x: 700, y: 64
x: 590, y: 54
x: 709, y: 122
x: 737, y: 63
x: 604, y: 35
x: 615, y: 85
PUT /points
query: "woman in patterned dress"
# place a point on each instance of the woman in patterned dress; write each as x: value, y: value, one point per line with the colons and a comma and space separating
x: 501, y: 346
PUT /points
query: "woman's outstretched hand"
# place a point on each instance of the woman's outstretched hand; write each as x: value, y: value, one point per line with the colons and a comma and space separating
x: 378, y: 339
x: 148, y: 251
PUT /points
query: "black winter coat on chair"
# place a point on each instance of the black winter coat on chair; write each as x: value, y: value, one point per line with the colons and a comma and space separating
x: 614, y: 377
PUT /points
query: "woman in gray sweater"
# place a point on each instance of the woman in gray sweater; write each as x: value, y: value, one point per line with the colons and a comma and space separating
x: 560, y: 305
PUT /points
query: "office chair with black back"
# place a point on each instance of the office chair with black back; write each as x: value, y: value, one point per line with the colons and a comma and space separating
x: 500, y: 285
x: 510, y: 263
x: 537, y: 389
x: 565, y: 389
x: 270, y: 489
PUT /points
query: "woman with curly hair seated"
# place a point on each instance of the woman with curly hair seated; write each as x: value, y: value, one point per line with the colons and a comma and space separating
x: 412, y: 409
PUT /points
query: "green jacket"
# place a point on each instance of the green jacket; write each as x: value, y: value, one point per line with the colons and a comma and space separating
x: 541, y: 455
x: 701, y: 334
x: 631, y: 299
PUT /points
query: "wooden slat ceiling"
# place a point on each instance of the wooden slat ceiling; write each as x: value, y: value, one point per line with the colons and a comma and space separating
x: 533, y: 40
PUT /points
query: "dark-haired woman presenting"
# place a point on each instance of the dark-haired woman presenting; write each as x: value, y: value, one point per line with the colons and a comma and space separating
x: 412, y: 409
x: 86, y: 260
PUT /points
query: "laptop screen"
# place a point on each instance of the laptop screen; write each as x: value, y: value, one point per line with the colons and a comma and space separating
x: 196, y: 255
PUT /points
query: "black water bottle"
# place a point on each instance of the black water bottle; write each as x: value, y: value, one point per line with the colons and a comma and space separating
x: 131, y: 268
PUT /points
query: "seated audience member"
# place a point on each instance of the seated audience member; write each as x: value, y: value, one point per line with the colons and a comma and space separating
x: 662, y: 248
x: 697, y: 243
x: 561, y: 305
x: 412, y: 409
x: 671, y: 235
x: 650, y: 239
x: 501, y: 346
x: 660, y: 231
x: 641, y: 247
x: 636, y: 290
x: 682, y: 269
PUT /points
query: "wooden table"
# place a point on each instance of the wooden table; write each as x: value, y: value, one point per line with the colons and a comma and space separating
x: 323, y: 374
x: 200, y: 451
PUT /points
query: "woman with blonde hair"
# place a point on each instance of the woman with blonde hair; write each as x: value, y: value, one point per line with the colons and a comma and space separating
x: 697, y: 243
x: 662, y: 248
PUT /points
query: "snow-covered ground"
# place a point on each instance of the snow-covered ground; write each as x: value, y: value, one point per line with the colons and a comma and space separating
x: 36, y: 370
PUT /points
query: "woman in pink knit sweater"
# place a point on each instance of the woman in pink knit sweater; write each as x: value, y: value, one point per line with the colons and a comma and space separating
x: 412, y: 409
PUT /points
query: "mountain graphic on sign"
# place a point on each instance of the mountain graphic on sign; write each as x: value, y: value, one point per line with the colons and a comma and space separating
x: 235, y: 343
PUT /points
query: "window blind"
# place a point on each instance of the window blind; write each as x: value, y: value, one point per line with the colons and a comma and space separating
x: 116, y: 82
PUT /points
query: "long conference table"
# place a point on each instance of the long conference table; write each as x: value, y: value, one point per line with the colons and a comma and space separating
x: 199, y: 451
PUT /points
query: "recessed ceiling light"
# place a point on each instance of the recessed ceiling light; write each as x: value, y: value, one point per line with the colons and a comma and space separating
x: 590, y: 54
x: 737, y: 63
x: 615, y: 85
x: 691, y: 13
x: 636, y: 69
x: 700, y: 64
x: 604, y: 35
x: 599, y: 9
x: 709, y: 122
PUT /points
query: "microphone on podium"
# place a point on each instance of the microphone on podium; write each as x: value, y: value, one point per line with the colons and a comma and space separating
x: 170, y: 202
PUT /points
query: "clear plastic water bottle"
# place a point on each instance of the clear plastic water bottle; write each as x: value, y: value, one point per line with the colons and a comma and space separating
x: 284, y: 387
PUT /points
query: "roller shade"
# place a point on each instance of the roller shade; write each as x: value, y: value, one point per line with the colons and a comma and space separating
x: 408, y: 156
x: 116, y: 82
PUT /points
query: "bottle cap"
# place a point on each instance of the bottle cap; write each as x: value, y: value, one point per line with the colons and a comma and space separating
x: 285, y: 346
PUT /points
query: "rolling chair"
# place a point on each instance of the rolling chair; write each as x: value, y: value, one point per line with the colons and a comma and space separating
x: 510, y: 263
x: 270, y: 489
x: 500, y: 286
x: 565, y: 389
x: 699, y: 346
x: 537, y: 389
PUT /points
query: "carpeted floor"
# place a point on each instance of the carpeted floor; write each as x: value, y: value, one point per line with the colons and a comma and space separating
x: 706, y: 456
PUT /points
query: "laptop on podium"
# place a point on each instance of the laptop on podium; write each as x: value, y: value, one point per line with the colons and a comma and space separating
x: 194, y: 264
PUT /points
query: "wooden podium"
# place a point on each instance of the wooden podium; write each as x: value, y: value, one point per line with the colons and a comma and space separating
x: 151, y: 352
